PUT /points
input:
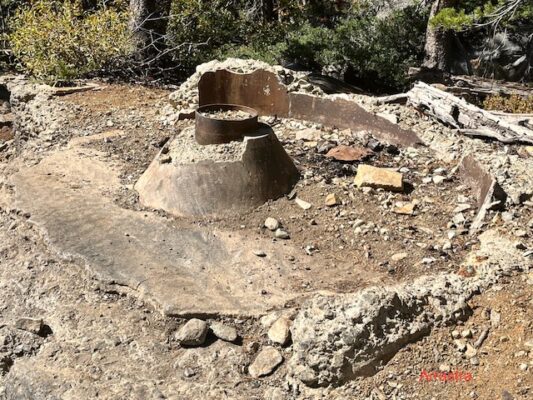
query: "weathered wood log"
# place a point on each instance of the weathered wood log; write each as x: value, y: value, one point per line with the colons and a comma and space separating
x: 64, y: 91
x: 467, y: 118
x: 400, y: 98
x: 519, y: 119
x: 482, y: 87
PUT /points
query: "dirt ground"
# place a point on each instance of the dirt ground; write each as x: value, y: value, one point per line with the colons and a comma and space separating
x: 327, y: 229
x: 107, y: 343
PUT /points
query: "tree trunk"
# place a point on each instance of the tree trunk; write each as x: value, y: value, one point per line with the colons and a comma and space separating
x: 439, y: 41
x: 263, y: 10
x: 268, y: 10
x: 148, y: 24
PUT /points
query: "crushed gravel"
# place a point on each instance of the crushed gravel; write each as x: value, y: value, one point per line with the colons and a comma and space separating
x: 185, y: 149
x: 227, y: 115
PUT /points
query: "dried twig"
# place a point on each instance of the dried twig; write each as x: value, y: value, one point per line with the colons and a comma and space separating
x: 481, y: 338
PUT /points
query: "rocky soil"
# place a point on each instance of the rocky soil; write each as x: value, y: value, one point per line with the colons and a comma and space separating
x: 438, y: 313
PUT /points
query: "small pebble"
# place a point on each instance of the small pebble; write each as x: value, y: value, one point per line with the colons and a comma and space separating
x: 281, y: 234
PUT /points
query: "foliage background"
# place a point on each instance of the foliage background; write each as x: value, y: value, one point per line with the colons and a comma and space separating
x: 318, y: 35
x: 59, y: 41
x: 365, y: 42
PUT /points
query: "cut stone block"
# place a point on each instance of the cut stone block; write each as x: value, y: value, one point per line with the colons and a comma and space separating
x: 369, y: 176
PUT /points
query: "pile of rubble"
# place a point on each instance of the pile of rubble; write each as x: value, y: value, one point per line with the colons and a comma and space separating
x: 508, y: 164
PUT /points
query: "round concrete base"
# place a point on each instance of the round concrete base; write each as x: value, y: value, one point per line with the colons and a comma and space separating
x: 262, y: 171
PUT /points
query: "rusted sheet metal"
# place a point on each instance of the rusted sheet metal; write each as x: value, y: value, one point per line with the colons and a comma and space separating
x: 263, y: 91
x: 349, y: 153
x: 489, y: 194
x: 482, y: 182
x: 264, y: 172
x: 216, y: 131
x: 346, y: 114
x: 260, y: 90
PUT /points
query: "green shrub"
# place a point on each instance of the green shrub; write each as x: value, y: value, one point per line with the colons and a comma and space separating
x: 198, y: 28
x: 319, y: 34
x: 383, y: 49
x: 269, y: 54
x: 58, y: 41
x: 377, y: 49
x: 450, y: 18
x: 468, y: 13
x: 7, y: 9
x: 312, y: 45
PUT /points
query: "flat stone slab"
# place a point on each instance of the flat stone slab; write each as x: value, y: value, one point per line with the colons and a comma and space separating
x: 183, y: 270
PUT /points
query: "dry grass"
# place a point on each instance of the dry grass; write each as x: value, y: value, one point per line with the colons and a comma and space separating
x: 512, y: 104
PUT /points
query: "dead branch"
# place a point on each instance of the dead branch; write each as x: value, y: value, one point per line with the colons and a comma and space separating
x: 482, y: 87
x: 400, y: 98
x: 465, y: 117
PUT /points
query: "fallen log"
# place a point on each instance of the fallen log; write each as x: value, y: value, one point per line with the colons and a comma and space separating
x: 484, y: 87
x: 400, y: 98
x: 519, y: 119
x: 465, y: 117
x: 64, y: 91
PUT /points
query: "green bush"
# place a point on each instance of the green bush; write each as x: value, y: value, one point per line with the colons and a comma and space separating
x: 383, y: 49
x: 198, y: 28
x: 468, y: 13
x: 450, y: 18
x: 58, y: 41
x: 312, y: 45
x: 7, y: 9
x: 377, y: 49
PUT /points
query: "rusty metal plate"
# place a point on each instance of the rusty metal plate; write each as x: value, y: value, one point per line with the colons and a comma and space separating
x: 490, y: 195
x: 346, y: 114
x: 260, y: 90
x: 484, y: 185
x: 349, y: 153
x: 263, y: 91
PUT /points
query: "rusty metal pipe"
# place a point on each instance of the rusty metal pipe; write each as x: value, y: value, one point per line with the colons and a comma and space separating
x: 211, y: 130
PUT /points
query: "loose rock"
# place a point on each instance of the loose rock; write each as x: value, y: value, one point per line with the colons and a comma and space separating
x: 405, y: 209
x: 281, y: 234
x: 224, y: 332
x: 188, y: 373
x: 467, y: 333
x: 398, y: 257
x: 33, y: 325
x: 280, y: 332
x: 193, y: 333
x: 495, y: 318
x: 438, y: 179
x: 378, y: 178
x: 461, y: 208
x: 349, y: 153
x: 331, y: 200
x: 303, y: 204
x: 470, y: 351
x: 272, y: 224
x: 265, y: 362
x: 309, y: 135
